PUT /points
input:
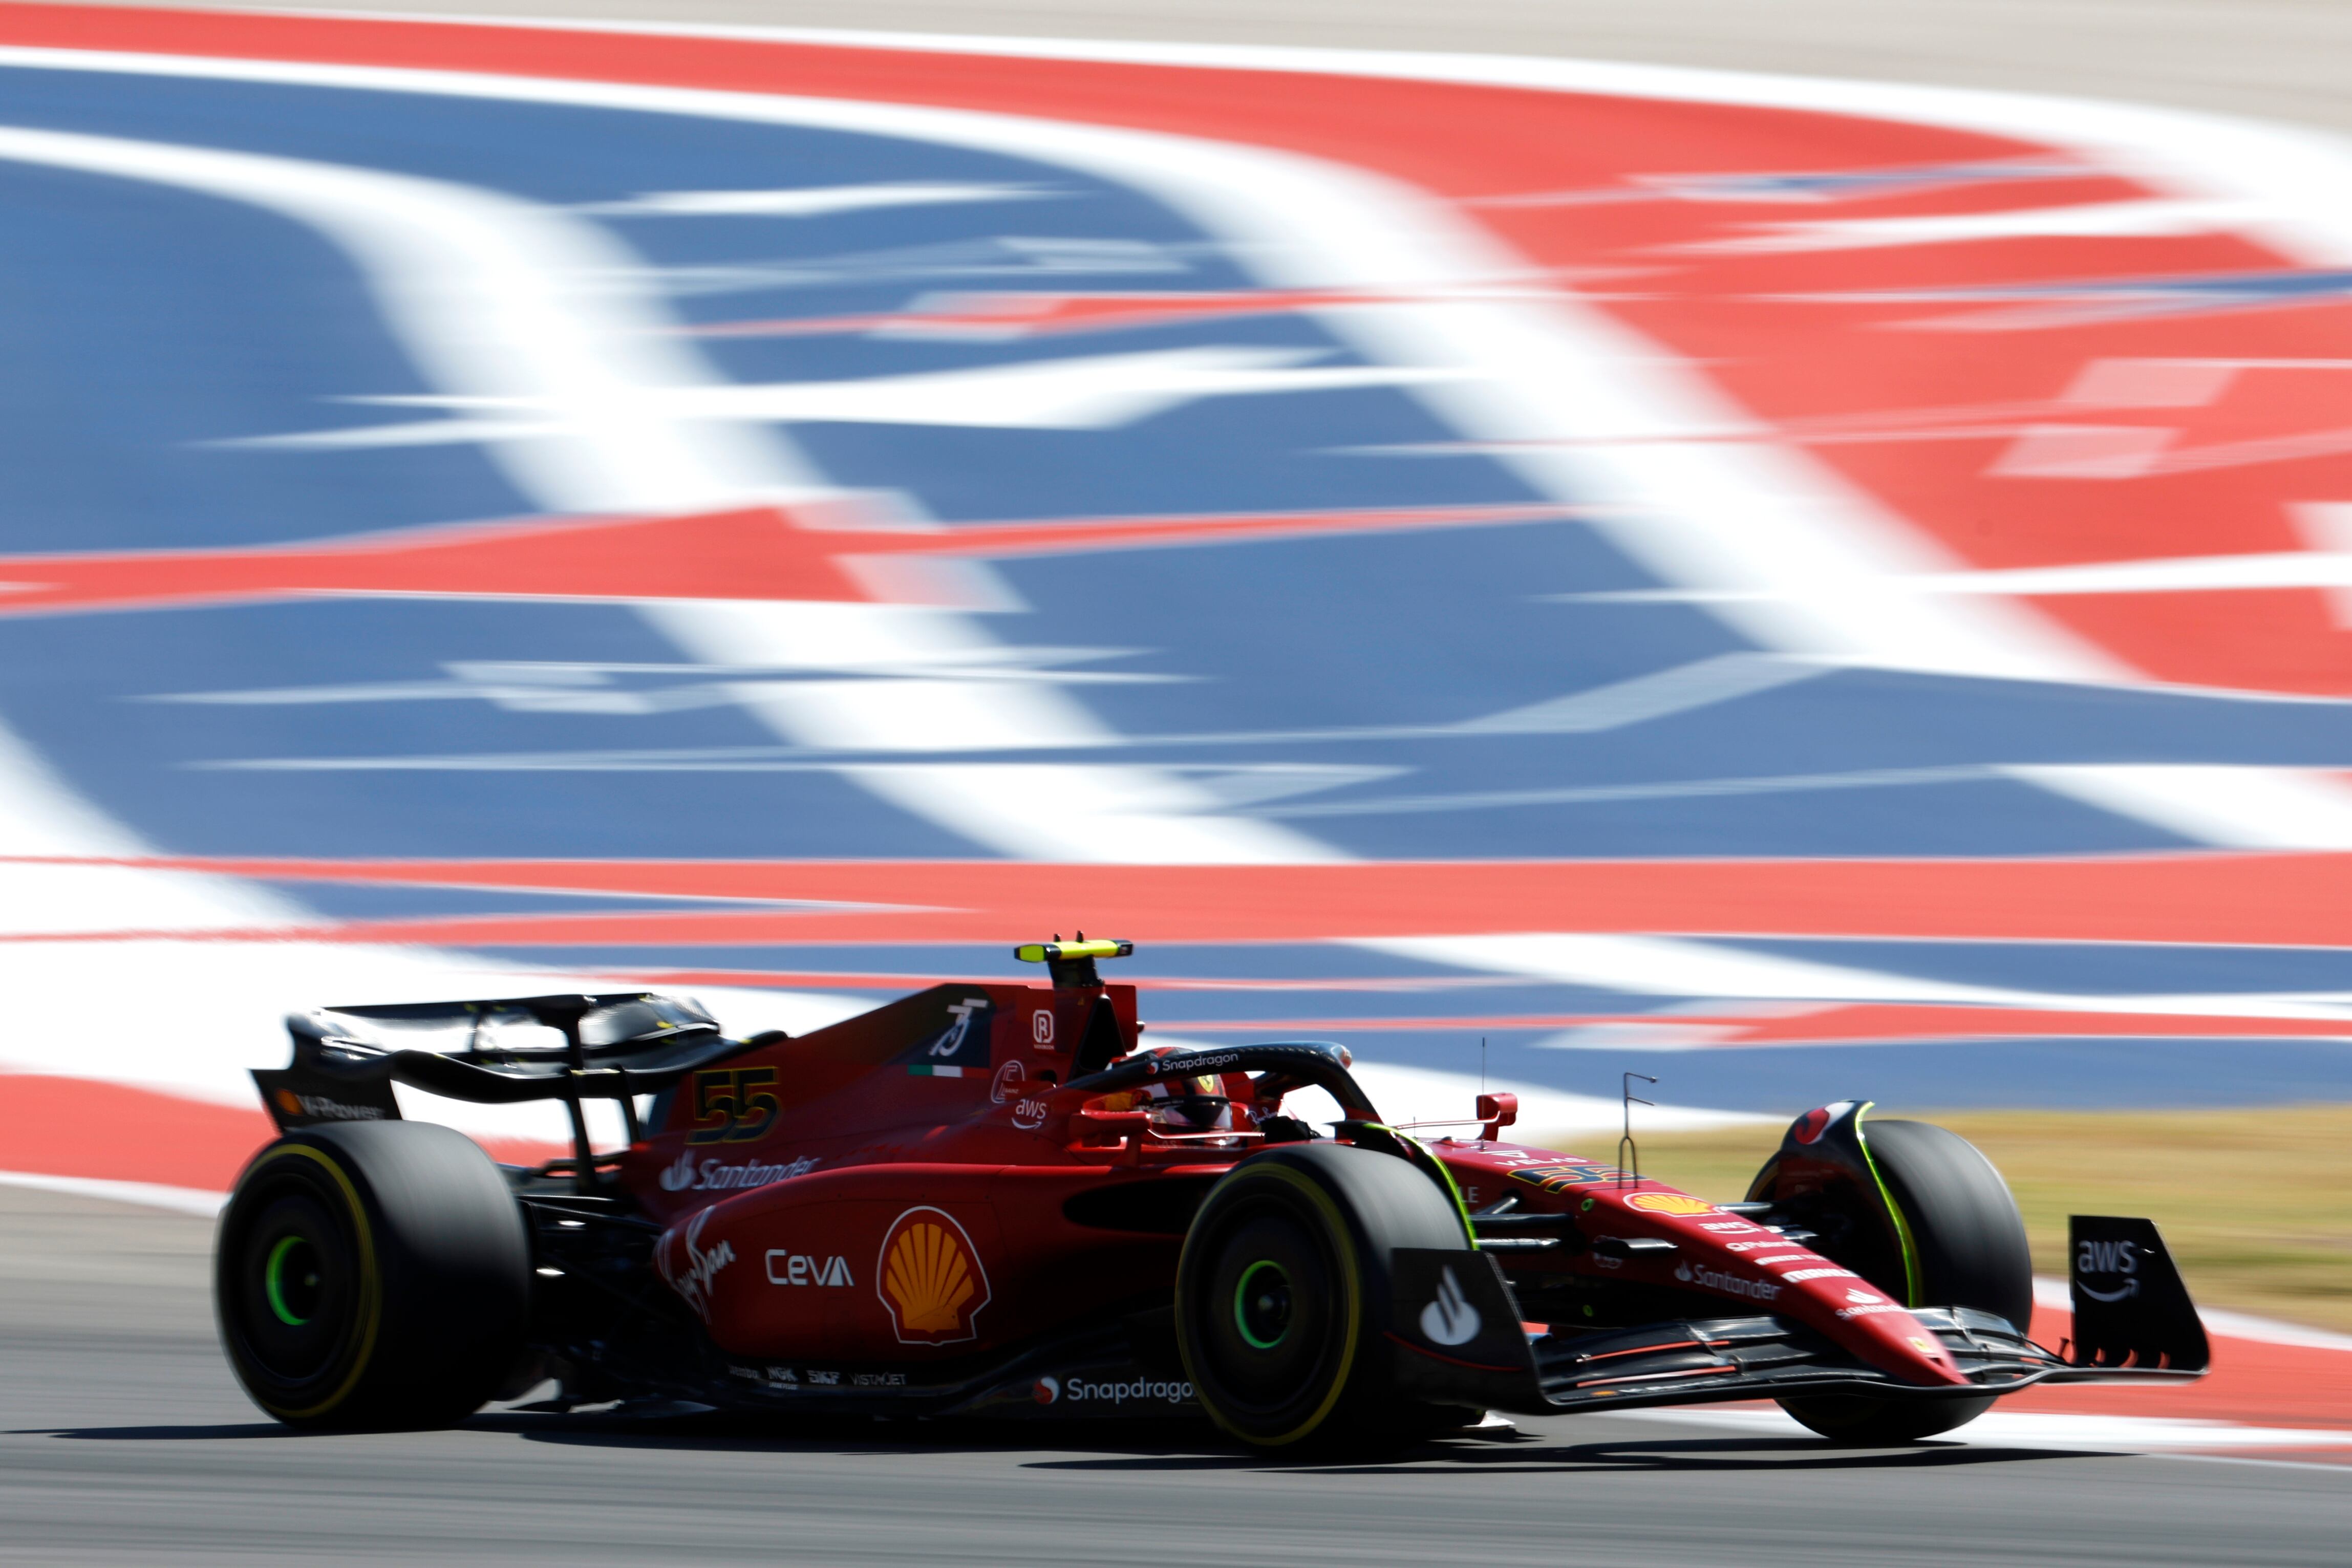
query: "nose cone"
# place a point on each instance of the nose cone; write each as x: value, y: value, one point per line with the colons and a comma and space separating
x: 1883, y: 1333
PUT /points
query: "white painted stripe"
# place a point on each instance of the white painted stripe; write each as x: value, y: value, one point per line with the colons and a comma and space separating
x: 2053, y: 1293
x: 185, y: 1199
x: 2093, y: 219
x: 1078, y: 393
x: 40, y: 816
x: 491, y: 432
x: 2037, y: 1429
x: 1083, y: 392
x: 2158, y: 574
x: 1086, y: 812
x: 1073, y: 812
x: 2267, y: 1331
x: 1684, y: 688
x: 806, y: 202
x: 2243, y: 807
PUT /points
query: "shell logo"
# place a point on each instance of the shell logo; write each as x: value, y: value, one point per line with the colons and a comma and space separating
x: 928, y: 1275
x: 1668, y: 1203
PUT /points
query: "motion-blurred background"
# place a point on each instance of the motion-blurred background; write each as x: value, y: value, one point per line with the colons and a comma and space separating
x: 1802, y: 589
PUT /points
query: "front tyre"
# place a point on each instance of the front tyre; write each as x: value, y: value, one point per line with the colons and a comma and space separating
x: 1280, y: 1288
x: 372, y: 1274
x: 1967, y: 1248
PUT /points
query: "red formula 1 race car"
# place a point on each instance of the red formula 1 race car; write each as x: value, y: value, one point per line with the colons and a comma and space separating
x: 987, y: 1200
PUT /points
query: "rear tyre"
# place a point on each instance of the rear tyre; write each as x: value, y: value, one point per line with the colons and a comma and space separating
x: 1278, y: 1294
x: 372, y: 1274
x: 1969, y: 1250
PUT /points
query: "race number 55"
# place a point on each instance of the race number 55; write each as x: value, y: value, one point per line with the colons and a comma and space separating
x: 732, y: 1105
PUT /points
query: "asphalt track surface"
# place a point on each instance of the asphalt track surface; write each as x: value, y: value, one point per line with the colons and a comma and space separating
x: 126, y: 1441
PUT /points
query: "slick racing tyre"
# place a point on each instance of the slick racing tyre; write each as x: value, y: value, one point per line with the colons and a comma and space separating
x: 372, y: 1274
x: 1968, y: 1249
x: 1281, y: 1288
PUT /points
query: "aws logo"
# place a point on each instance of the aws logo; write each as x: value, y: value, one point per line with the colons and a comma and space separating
x: 2117, y: 1259
x: 929, y: 1276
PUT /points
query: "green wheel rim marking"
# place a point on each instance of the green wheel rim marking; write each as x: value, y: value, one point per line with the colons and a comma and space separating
x: 1241, y: 1297
x: 272, y: 1273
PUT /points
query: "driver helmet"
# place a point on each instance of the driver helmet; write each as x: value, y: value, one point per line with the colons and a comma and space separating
x: 1177, y: 1104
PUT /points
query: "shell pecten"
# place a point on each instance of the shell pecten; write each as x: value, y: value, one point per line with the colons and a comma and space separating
x: 930, y: 1279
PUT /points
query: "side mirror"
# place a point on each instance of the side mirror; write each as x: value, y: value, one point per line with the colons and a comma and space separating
x: 1498, y: 1112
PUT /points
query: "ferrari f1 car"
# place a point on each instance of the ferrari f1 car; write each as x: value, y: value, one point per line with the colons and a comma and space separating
x: 991, y: 1200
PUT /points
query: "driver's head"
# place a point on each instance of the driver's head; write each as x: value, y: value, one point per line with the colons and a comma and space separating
x: 1190, y: 1105
x: 1179, y: 1104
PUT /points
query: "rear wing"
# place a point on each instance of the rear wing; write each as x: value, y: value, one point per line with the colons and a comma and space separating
x: 612, y: 1046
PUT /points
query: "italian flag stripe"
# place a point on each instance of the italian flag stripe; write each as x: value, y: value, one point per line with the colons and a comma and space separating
x: 926, y: 1069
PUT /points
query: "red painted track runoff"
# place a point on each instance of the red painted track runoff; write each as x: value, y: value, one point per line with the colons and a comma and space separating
x: 2259, y: 1384
x: 811, y: 556
x: 2288, y: 900
x: 47, y: 1126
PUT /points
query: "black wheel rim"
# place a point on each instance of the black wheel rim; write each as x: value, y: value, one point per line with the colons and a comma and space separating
x: 1265, y: 1319
x: 289, y: 1286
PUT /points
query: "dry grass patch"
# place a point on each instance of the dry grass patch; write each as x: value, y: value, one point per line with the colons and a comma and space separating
x: 2256, y: 1205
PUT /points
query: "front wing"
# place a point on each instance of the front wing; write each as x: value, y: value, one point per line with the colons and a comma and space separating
x: 1472, y: 1351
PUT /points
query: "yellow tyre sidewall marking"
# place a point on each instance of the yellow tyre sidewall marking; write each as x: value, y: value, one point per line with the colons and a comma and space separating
x: 370, y: 1296
x: 1352, y: 1295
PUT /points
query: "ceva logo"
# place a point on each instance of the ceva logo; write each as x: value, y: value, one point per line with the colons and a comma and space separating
x: 786, y: 1267
x: 1450, y: 1319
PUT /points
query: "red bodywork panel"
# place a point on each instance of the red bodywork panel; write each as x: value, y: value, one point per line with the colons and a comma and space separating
x: 892, y: 1191
x: 1717, y: 1253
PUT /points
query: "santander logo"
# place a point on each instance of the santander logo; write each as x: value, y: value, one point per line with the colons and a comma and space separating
x: 684, y: 1174
x: 1450, y: 1319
